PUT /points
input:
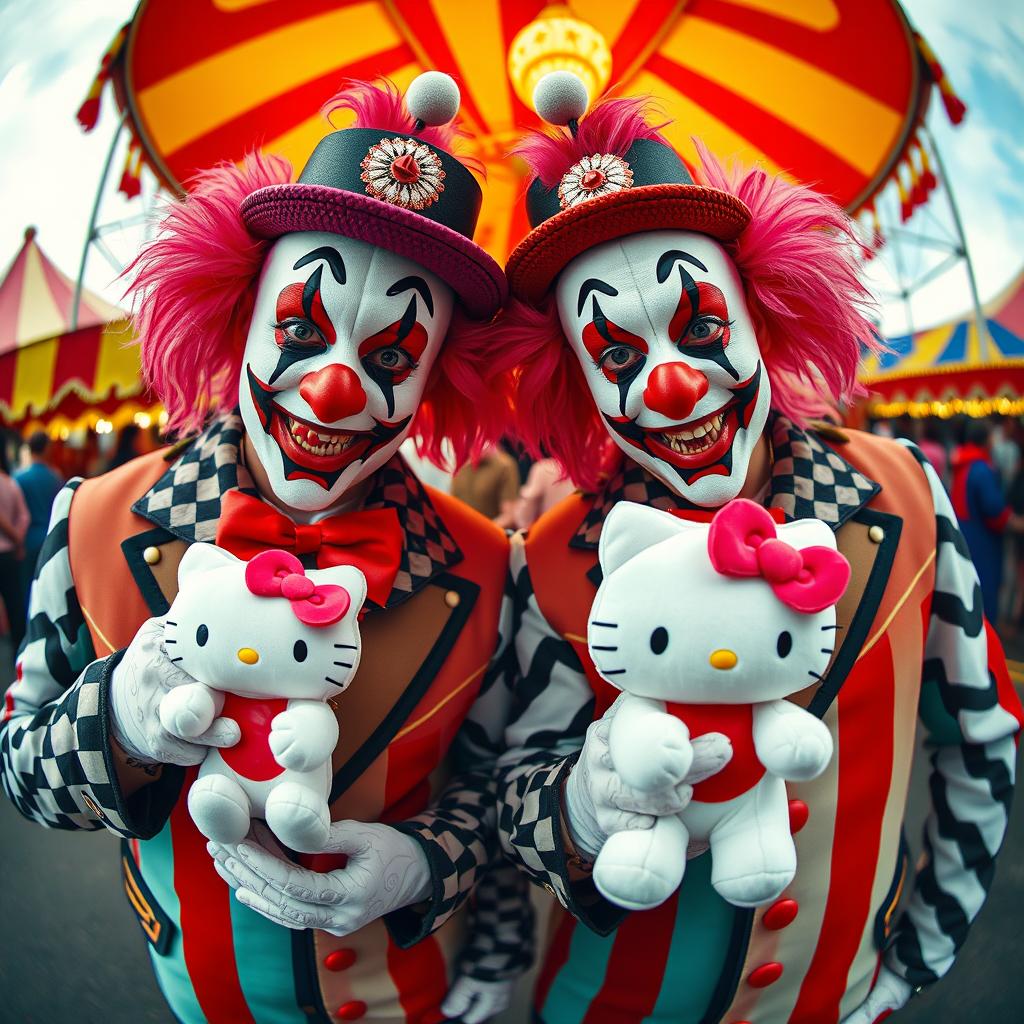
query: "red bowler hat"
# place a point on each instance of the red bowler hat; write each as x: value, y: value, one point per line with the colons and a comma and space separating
x: 604, y: 196
x: 394, y: 190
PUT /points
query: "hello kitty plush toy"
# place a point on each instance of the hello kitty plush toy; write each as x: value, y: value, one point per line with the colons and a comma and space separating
x: 707, y: 629
x: 268, y: 643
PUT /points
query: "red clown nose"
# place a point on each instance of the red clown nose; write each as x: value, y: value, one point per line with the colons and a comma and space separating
x: 333, y: 393
x: 674, y: 389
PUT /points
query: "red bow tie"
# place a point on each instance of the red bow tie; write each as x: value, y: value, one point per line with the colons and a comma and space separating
x: 369, y: 540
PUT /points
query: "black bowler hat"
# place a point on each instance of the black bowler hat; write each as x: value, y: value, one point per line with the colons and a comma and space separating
x: 396, y: 191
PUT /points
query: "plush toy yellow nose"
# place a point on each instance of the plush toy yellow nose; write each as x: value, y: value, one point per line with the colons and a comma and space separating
x: 723, y: 659
x: 248, y: 656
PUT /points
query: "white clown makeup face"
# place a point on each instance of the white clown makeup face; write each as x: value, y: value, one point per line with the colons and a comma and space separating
x: 661, y: 329
x: 342, y: 340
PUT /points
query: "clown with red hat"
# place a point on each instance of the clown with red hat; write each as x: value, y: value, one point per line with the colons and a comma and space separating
x: 672, y: 334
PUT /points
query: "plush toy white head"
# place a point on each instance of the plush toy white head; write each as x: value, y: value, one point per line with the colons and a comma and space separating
x: 737, y: 612
x: 265, y: 627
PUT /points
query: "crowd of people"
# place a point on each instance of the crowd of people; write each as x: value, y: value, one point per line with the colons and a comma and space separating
x: 26, y: 497
x: 979, y: 462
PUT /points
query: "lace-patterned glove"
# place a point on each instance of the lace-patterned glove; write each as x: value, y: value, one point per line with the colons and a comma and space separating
x: 386, y: 870
x: 138, y: 686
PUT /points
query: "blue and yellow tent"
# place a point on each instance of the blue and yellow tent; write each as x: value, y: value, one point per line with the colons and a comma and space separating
x: 953, y: 369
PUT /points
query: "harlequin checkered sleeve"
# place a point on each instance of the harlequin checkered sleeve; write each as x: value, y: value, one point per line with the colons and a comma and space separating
x: 972, y: 715
x: 55, y: 758
x: 457, y: 835
x: 552, y: 706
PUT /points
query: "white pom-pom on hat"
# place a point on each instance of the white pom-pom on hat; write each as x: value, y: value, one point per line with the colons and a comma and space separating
x: 433, y: 98
x: 560, y: 97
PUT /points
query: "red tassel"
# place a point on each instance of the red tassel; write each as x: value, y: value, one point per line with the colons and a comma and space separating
x: 130, y: 185
x: 89, y: 113
x: 131, y: 178
x: 955, y: 107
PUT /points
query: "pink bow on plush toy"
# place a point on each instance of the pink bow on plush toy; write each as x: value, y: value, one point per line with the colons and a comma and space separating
x: 277, y: 573
x: 743, y: 542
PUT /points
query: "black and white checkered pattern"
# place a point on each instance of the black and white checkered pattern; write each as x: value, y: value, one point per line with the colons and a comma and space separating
x: 186, y: 499
x: 54, y: 754
x: 811, y: 480
x: 499, y: 944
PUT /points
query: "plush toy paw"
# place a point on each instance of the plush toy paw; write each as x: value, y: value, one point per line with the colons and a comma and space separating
x: 662, y: 758
x: 754, y: 889
x: 220, y: 808
x: 298, y: 817
x: 303, y: 737
x: 640, y: 868
x: 188, y: 710
x: 800, y: 755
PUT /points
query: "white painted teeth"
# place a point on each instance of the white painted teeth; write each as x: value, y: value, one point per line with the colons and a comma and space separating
x: 324, y: 444
x: 698, y: 439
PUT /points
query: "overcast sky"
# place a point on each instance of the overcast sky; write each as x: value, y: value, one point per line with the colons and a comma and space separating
x: 50, y: 49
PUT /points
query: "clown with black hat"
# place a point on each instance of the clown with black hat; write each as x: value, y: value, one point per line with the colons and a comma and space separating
x: 672, y: 332
x: 302, y: 330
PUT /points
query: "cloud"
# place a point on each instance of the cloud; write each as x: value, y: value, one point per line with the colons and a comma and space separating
x: 981, y: 50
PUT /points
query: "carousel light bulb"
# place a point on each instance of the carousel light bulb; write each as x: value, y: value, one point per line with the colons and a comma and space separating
x: 558, y: 41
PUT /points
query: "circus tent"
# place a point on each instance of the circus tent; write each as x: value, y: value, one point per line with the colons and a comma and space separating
x: 53, y: 374
x: 954, y: 368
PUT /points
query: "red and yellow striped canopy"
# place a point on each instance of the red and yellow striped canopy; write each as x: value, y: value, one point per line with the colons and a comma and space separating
x: 51, y: 375
x: 824, y: 91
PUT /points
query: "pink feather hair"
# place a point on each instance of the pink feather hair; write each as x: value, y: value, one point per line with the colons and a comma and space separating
x: 797, y: 261
x: 194, y: 288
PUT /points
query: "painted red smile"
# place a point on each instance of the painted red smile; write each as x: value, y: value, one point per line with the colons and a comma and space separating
x: 698, y: 442
x: 316, y: 447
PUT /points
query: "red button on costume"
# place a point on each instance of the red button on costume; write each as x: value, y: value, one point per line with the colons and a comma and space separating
x: 736, y: 721
x: 765, y: 975
x: 351, y: 1011
x: 340, y: 959
x: 251, y: 756
x: 780, y: 914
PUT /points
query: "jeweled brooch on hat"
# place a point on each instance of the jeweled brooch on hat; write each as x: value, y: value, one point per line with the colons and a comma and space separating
x: 406, y: 172
x: 594, y: 176
x: 561, y: 98
x: 403, y: 172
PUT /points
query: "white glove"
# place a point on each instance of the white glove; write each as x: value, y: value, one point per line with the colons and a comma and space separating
x: 386, y: 870
x: 472, y: 1001
x: 890, y: 993
x: 598, y: 803
x: 138, y: 686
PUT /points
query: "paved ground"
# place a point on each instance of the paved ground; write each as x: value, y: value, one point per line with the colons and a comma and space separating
x: 70, y: 949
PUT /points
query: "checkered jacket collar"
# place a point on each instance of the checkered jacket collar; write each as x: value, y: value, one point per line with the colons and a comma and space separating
x: 809, y: 481
x: 186, y: 500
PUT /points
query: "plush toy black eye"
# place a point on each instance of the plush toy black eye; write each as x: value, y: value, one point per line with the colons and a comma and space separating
x: 300, y: 650
x: 202, y: 635
x: 784, y: 644
x: 659, y: 640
